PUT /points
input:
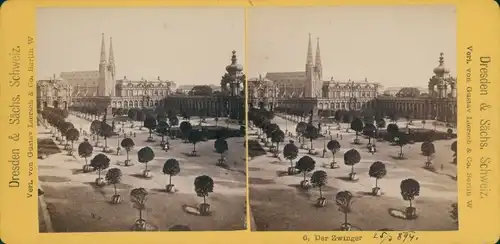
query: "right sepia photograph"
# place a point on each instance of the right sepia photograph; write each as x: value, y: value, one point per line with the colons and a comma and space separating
x: 352, y: 118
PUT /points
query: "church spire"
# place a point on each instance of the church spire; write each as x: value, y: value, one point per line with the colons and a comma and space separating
x: 111, y: 60
x: 111, y: 56
x: 309, y: 52
x: 317, y: 62
x: 103, y: 51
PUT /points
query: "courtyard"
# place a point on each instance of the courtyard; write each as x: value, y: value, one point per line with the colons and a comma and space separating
x: 279, y: 203
x: 75, y: 204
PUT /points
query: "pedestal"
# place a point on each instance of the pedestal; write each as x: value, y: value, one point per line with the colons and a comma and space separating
x: 108, y: 115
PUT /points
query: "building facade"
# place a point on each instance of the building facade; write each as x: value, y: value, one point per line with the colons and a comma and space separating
x: 101, y: 88
x: 305, y: 92
x: 53, y: 92
x: 308, y: 91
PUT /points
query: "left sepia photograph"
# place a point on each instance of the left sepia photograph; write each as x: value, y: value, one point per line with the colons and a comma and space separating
x: 141, y: 119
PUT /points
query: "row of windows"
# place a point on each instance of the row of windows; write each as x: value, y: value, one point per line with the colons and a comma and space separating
x: 134, y: 104
x: 348, y: 94
x: 131, y: 93
x: 342, y: 105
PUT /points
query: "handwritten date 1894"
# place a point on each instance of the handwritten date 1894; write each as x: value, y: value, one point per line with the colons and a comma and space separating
x: 395, y: 237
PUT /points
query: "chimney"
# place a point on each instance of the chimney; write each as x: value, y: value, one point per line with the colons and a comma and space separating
x: 158, y: 77
x: 124, y: 77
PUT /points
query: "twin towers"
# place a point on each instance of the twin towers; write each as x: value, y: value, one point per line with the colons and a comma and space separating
x: 314, y: 71
x: 107, y: 70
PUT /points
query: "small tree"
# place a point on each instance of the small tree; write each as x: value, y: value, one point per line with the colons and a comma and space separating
x: 392, y: 130
x: 312, y: 134
x: 105, y: 132
x: 370, y: 130
x: 290, y: 152
x: 380, y: 125
x: 351, y: 158
x: 357, y: 126
x: 344, y: 200
x: 114, y: 176
x: 72, y: 135
x: 334, y: 147
x: 128, y: 144
x: 203, y: 185
x: 145, y: 155
x: 95, y: 128
x: 304, y: 165
x: 150, y: 124
x: 428, y: 150
x: 221, y: 147
x: 269, y: 130
x: 377, y: 171
x: 185, y: 128
x: 277, y: 137
x: 85, y: 151
x: 401, y: 140
x: 194, y: 137
x: 410, y: 188
x: 300, y: 129
x: 319, y: 179
x: 65, y: 127
x: 163, y: 129
x: 138, y: 197
x: 100, y: 162
x: 171, y: 168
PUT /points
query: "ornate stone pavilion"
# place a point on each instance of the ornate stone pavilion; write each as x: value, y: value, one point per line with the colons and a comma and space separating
x: 439, y: 104
x: 222, y: 105
x: 53, y: 92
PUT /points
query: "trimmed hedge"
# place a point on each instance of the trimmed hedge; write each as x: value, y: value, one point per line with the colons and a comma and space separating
x: 211, y: 132
x: 419, y: 135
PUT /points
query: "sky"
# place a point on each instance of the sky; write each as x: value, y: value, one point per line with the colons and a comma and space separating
x: 187, y: 45
x: 395, y: 46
